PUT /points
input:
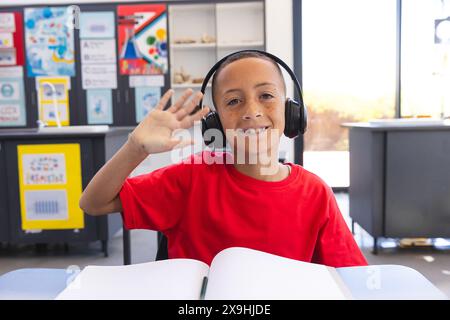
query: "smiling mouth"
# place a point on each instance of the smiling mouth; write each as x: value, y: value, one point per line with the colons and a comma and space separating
x: 252, y: 131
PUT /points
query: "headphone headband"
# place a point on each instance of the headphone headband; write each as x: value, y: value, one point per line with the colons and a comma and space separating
x: 269, y: 55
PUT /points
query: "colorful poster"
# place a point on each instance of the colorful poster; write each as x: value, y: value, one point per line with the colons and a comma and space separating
x: 10, y: 89
x: 7, y: 22
x: 6, y: 40
x: 52, y: 169
x: 146, y: 81
x: 49, y: 40
x: 99, y: 64
x: 98, y: 51
x: 142, y: 39
x: 11, y: 72
x: 12, y: 114
x: 12, y: 101
x: 50, y: 186
x: 146, y: 99
x: 99, y: 106
x: 53, y: 100
x: 11, y: 39
x: 8, y: 57
x: 94, y: 25
x: 44, y: 205
x: 99, y: 76
x: 47, y: 114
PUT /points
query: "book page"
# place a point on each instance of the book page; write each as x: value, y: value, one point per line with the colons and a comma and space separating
x: 166, y: 279
x: 241, y: 273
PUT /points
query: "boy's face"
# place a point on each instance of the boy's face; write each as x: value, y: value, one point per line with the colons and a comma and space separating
x: 250, y: 94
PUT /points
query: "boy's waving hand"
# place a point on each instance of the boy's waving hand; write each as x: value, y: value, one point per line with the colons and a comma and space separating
x: 154, y: 133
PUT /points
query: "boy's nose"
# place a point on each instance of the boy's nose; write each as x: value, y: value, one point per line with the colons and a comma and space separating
x: 252, y: 112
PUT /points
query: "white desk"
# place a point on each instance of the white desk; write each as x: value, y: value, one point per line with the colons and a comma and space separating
x: 374, y: 282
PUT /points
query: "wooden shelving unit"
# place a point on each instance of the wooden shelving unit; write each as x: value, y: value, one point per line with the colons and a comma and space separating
x: 188, y: 23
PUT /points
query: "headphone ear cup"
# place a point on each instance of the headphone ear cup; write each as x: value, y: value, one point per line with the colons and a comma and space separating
x: 303, y: 119
x: 295, y: 119
x: 292, y: 117
x: 212, y: 121
x: 204, y: 128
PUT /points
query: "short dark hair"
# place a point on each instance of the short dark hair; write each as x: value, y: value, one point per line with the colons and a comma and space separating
x: 238, y: 56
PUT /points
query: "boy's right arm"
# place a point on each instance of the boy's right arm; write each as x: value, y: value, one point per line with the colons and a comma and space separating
x: 152, y: 135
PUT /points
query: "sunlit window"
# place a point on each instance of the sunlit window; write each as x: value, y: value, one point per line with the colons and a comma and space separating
x: 425, y: 58
x: 349, y: 52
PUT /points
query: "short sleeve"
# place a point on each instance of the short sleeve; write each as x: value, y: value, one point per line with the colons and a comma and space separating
x: 155, y: 200
x: 335, y: 245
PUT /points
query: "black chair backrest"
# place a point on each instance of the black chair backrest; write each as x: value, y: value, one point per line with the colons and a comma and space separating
x: 162, y: 253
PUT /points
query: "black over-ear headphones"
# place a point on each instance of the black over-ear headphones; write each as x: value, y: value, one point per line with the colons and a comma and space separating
x: 295, y: 112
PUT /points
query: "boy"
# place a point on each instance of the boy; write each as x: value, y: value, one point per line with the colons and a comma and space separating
x: 205, y: 208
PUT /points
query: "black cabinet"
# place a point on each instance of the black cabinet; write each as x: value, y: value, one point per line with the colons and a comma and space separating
x: 95, y: 150
x: 399, y: 180
x: 418, y: 184
x: 90, y: 230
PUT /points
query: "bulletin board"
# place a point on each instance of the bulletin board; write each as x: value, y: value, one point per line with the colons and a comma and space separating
x: 50, y: 186
x: 142, y: 39
x: 49, y: 42
x: 116, y: 59
x: 50, y: 101
x: 98, y: 64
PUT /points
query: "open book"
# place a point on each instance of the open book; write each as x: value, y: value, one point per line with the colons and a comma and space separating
x: 235, y: 273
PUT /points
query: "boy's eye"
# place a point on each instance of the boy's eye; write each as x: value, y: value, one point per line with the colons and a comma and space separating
x: 266, y: 96
x: 232, y: 102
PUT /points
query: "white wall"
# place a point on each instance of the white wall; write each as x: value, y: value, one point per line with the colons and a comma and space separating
x: 279, y: 41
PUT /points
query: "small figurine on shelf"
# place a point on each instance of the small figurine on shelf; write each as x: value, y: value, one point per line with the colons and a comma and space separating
x: 181, y: 76
x: 207, y: 38
x: 184, y: 41
x: 177, y: 78
x: 198, y: 80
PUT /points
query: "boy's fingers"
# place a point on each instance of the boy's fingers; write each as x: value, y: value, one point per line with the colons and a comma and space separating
x: 182, y: 112
x: 188, y: 121
x: 176, y: 143
x: 179, y: 103
x: 164, y: 99
x: 201, y: 113
x: 195, y: 102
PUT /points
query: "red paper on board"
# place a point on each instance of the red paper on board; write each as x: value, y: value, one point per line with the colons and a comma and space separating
x: 17, y: 36
x: 142, y: 39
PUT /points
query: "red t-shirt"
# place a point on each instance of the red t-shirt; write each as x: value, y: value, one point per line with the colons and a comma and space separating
x: 205, y: 208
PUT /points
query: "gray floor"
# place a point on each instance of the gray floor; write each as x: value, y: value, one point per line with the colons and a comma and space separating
x: 433, y: 263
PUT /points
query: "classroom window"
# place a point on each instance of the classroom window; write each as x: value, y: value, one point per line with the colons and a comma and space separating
x: 425, y: 58
x: 349, y: 56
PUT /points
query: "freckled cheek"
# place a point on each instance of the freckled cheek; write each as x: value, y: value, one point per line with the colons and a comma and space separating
x: 276, y: 114
x: 228, y: 120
